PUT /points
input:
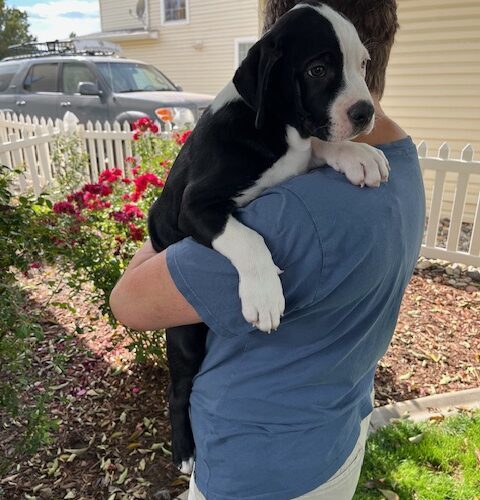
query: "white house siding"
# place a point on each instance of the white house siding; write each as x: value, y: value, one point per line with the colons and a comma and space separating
x: 433, y: 85
x: 115, y: 15
x: 200, y: 55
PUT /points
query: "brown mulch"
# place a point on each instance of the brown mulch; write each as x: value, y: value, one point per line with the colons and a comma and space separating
x: 112, y: 440
x: 436, y: 346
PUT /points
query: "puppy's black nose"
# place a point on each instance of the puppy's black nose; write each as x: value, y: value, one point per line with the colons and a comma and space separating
x: 361, y: 113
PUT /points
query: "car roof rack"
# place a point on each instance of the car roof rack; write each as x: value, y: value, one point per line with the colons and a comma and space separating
x: 63, y: 48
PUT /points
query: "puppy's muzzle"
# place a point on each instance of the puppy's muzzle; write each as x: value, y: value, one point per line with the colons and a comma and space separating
x: 360, y: 115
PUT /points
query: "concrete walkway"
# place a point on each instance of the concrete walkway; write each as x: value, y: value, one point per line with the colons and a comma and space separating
x: 421, y: 409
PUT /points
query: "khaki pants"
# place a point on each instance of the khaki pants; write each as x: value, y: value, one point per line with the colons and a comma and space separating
x: 341, y: 486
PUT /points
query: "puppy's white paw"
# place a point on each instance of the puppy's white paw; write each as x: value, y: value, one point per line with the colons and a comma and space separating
x: 187, y: 466
x: 263, y: 303
x: 363, y: 165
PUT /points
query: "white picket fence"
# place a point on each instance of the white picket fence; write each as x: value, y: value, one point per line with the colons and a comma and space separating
x: 452, y: 185
x: 452, y: 189
x: 26, y: 141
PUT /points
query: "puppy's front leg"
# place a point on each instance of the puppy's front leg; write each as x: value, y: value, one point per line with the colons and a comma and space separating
x: 362, y: 164
x: 260, y: 288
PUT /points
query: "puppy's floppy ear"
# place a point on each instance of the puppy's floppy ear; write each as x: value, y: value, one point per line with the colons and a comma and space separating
x: 252, y: 79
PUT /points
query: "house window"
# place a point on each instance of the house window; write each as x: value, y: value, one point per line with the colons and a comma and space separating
x: 242, y: 46
x: 174, y: 11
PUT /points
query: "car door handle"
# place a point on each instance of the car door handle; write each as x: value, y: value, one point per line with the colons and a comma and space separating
x: 21, y: 103
x: 65, y: 104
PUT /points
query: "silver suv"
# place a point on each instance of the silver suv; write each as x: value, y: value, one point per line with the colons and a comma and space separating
x: 94, y: 87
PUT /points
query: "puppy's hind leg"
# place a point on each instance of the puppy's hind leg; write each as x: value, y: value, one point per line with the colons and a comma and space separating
x: 185, y: 350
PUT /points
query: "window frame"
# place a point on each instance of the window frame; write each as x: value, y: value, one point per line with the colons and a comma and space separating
x: 238, y: 42
x: 176, y: 22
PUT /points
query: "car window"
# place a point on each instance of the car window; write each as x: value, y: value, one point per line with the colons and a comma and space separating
x: 73, y: 74
x: 42, y: 78
x: 7, y: 72
x: 134, y: 77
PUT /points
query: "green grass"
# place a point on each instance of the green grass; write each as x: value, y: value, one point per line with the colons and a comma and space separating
x: 441, y: 462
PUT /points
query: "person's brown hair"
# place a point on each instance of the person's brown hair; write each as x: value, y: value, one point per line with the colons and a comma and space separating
x: 375, y: 20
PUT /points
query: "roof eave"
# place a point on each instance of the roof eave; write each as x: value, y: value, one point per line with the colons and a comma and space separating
x: 122, y: 35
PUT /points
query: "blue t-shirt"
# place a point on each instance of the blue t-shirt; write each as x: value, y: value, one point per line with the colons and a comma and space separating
x: 275, y: 416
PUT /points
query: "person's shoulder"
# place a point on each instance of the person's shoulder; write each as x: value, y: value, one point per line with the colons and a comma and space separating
x: 404, y: 147
x: 324, y: 187
x: 285, y: 222
x: 278, y: 206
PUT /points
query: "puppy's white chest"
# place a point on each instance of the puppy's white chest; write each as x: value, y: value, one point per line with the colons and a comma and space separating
x: 295, y: 162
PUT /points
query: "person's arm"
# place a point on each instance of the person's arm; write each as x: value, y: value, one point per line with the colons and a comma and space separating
x: 146, y: 298
x: 190, y: 283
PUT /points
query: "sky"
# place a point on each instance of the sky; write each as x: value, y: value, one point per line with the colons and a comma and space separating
x: 52, y: 20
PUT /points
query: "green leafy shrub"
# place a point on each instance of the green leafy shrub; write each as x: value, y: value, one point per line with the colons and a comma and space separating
x: 24, y: 243
x: 101, y: 225
x: 90, y: 235
x: 69, y: 162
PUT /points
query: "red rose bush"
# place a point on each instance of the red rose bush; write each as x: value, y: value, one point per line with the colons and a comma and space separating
x: 100, y: 225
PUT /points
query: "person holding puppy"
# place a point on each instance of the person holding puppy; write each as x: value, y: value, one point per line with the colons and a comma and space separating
x: 285, y: 415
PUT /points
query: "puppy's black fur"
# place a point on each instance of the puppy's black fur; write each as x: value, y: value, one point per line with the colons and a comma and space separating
x: 289, y: 77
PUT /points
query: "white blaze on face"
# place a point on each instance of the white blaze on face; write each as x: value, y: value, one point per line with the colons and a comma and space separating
x: 354, y: 87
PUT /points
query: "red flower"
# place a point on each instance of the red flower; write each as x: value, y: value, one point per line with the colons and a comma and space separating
x: 110, y: 175
x: 77, y: 197
x: 121, y: 217
x: 142, y: 181
x: 130, y: 159
x: 142, y: 124
x: 136, y: 233
x: 182, y: 138
x: 135, y: 170
x: 35, y: 265
x: 92, y: 188
x: 87, y: 197
x: 185, y: 136
x: 154, y: 128
x: 64, y: 207
x: 106, y: 190
x: 136, y: 135
x: 135, y: 196
x: 133, y: 210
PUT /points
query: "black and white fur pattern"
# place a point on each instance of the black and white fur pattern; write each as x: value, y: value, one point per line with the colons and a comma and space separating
x: 294, y: 103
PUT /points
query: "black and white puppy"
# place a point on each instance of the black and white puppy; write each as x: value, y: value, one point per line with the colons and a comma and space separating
x: 304, y: 79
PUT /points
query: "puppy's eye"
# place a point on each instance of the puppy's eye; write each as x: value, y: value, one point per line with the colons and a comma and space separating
x: 364, y: 63
x: 317, y: 71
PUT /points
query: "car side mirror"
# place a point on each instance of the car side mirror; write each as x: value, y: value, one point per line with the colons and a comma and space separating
x: 179, y: 88
x: 89, y: 88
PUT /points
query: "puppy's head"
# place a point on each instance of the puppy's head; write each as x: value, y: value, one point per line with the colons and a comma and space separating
x: 309, y: 71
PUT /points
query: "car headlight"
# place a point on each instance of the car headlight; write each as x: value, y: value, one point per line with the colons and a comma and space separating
x: 179, y: 117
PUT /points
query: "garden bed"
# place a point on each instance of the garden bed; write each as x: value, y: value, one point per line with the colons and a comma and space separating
x: 112, y: 439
